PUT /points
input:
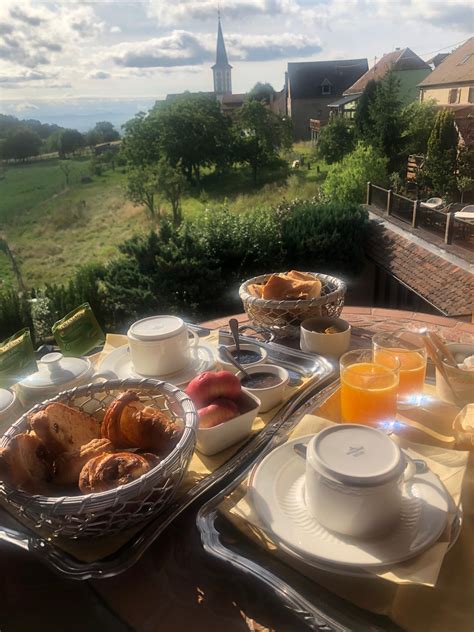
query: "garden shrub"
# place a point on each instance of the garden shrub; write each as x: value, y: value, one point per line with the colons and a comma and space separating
x: 194, y: 269
x: 15, y: 313
x: 327, y: 236
x: 347, y: 180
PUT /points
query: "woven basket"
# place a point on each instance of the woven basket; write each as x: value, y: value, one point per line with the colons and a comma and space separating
x: 283, y: 318
x: 105, y: 513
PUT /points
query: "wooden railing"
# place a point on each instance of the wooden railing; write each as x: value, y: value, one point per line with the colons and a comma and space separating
x: 440, y: 223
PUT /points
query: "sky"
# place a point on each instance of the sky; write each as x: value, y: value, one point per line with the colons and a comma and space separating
x: 75, y: 63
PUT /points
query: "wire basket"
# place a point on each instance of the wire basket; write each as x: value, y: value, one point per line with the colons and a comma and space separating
x: 283, y: 318
x: 109, y: 512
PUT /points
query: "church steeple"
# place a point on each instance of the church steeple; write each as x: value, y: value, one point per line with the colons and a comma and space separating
x: 221, y: 69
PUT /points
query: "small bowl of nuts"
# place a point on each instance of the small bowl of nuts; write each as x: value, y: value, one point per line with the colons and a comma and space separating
x: 326, y: 336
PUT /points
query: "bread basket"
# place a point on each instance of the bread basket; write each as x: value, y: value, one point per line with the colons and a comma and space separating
x: 283, y: 318
x: 109, y: 512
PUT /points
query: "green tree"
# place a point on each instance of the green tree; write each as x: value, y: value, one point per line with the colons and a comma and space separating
x: 346, y: 181
x: 387, y: 124
x: 70, y: 141
x: 106, y: 132
x: 170, y: 184
x: 418, y: 120
x: 92, y: 138
x: 193, y: 132
x: 141, y: 142
x: 21, y: 144
x: 262, y: 92
x: 363, y: 118
x: 335, y: 140
x: 262, y: 135
x: 440, y: 167
x: 142, y: 187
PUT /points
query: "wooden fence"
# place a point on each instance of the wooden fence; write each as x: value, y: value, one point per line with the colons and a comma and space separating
x: 443, y: 224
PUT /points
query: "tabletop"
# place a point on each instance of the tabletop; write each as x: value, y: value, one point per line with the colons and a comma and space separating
x: 174, y: 587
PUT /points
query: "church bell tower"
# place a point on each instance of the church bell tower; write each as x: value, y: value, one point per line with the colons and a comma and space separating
x: 221, y: 69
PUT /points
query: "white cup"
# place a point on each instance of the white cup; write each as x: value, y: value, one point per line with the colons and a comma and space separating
x: 160, y: 345
x: 354, y: 478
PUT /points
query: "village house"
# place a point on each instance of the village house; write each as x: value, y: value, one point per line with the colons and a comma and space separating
x: 406, y: 66
x: 451, y: 85
x: 313, y: 85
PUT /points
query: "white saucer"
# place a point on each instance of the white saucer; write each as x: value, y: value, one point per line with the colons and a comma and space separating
x: 277, y: 487
x: 203, y: 358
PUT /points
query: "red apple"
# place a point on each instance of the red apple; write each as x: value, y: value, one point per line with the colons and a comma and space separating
x: 216, y: 413
x: 210, y: 385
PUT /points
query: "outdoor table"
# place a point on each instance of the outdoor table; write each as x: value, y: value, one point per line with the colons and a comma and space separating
x: 174, y: 587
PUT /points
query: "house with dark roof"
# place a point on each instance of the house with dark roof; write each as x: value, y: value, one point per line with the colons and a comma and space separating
x: 313, y: 85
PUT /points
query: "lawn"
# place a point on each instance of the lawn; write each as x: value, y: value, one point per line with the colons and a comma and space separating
x: 53, y: 230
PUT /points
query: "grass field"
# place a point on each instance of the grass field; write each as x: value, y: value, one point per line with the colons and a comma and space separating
x: 52, y: 230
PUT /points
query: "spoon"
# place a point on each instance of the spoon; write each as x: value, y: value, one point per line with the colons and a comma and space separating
x: 234, y: 328
x: 420, y: 465
x: 226, y: 354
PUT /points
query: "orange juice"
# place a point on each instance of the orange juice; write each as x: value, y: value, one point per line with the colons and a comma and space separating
x: 368, y: 393
x: 412, y: 369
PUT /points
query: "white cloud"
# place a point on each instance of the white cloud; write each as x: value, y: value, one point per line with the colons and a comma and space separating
x: 25, y: 107
x: 183, y: 48
x: 115, y: 29
x: 98, y: 74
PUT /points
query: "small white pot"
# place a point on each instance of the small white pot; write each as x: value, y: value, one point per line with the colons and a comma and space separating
x: 353, y: 480
x: 269, y: 396
x: 10, y: 409
x: 160, y: 345
x: 213, y: 440
x: 58, y: 373
x: 227, y: 366
x: 332, y: 345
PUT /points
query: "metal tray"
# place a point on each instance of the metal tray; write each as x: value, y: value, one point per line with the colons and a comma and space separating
x: 321, y: 372
x: 314, y: 605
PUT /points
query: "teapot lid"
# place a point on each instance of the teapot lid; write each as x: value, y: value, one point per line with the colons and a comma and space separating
x: 55, y: 369
x: 156, y: 328
x: 356, y: 455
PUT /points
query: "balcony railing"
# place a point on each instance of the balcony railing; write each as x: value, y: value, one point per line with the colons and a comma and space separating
x: 443, y: 224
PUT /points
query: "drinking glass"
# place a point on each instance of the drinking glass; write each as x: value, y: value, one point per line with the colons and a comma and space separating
x: 409, y: 348
x: 368, y: 388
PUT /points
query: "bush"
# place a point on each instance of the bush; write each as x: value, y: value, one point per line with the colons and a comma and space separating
x: 15, y: 313
x: 328, y: 237
x: 335, y: 140
x: 347, y: 180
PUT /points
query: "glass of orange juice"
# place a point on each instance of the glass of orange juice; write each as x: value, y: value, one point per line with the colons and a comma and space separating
x: 368, y: 388
x: 408, y: 347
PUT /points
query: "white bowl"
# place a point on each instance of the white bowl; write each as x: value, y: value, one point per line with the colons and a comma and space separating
x: 213, y: 440
x: 333, y: 345
x: 245, y: 347
x: 269, y: 396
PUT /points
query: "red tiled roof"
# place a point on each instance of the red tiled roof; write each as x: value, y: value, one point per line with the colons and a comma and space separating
x: 445, y: 285
x: 405, y: 59
x: 458, y: 67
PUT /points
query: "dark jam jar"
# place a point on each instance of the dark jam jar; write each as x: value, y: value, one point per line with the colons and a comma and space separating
x: 246, y: 356
x: 260, y: 380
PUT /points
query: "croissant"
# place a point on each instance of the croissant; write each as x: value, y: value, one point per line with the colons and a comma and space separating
x: 129, y: 424
x: 70, y: 464
x: 108, y: 471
